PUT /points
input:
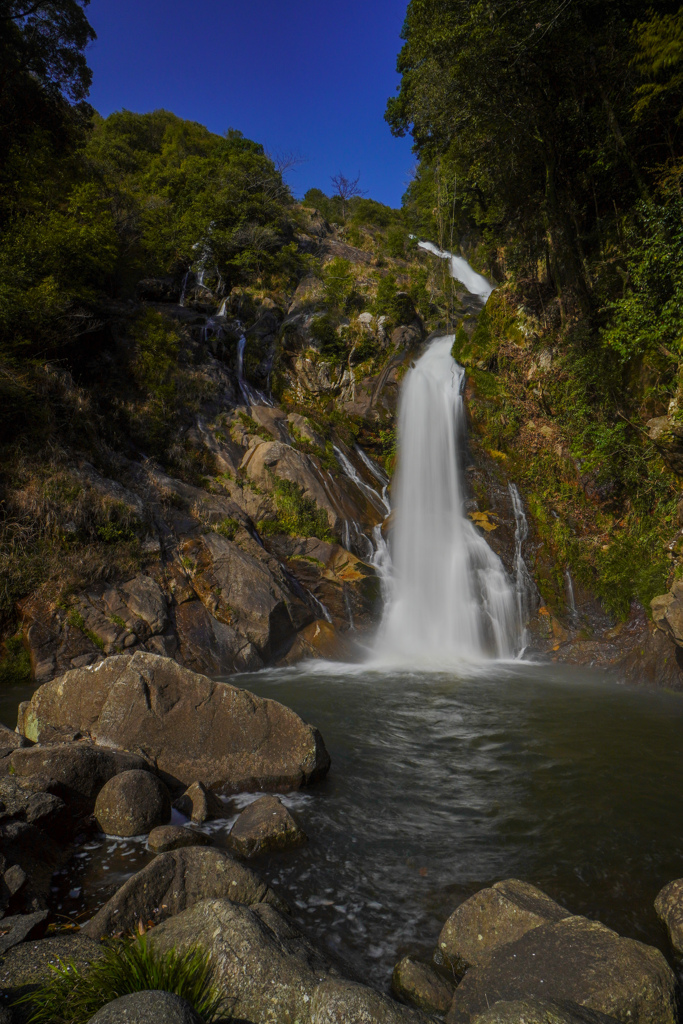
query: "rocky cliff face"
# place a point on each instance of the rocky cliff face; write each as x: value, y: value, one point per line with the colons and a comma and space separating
x: 268, y: 555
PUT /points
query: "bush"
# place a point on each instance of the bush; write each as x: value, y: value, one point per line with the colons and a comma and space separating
x: 73, y: 995
x: 325, y: 333
x: 15, y: 664
x: 296, y: 514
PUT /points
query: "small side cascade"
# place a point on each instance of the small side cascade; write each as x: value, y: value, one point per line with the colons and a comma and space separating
x: 571, y: 600
x: 525, y: 589
x: 251, y: 395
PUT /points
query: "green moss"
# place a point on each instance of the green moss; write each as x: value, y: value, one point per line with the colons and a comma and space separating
x: 15, y: 664
x: 76, y: 619
x: 297, y: 514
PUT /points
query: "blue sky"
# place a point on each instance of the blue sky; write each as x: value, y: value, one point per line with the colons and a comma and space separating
x: 308, y: 77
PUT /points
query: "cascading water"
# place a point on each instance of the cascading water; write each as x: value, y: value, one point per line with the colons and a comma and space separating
x: 525, y: 589
x: 452, y: 600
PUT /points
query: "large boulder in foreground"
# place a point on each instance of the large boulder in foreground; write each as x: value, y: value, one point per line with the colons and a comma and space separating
x: 669, y: 907
x: 189, y: 726
x: 174, y: 881
x: 491, y: 918
x: 577, y: 960
x: 269, y: 971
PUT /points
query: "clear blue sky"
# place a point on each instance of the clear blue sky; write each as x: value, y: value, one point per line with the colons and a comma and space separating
x: 309, y: 77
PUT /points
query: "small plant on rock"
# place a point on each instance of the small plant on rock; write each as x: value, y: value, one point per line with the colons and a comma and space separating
x: 75, y: 994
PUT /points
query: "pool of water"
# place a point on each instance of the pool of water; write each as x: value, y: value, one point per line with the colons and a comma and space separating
x: 444, y: 783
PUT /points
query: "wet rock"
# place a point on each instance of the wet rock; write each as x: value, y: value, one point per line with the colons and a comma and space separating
x: 265, y: 825
x: 153, y: 1007
x: 491, y: 918
x: 320, y: 640
x: 132, y: 803
x: 174, y: 881
x: 199, y: 804
x: 419, y: 984
x: 187, y: 725
x: 577, y: 960
x: 669, y: 908
x: 145, y: 600
x: 175, y: 837
x: 21, y: 927
x: 80, y: 769
x: 536, y: 1011
x: 271, y: 971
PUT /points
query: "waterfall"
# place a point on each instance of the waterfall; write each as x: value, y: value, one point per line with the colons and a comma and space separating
x: 251, y: 396
x: 571, y: 600
x: 475, y: 283
x: 452, y: 599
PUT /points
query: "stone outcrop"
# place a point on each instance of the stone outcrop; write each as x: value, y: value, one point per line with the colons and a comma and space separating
x: 199, y: 804
x: 577, y: 960
x: 263, y: 826
x: 186, y: 725
x: 269, y: 971
x: 132, y: 803
x: 172, y: 883
x: 667, y: 613
x: 491, y: 918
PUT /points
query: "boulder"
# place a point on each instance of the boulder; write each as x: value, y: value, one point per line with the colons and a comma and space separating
x: 265, y: 825
x: 536, y: 1011
x: 667, y: 612
x: 418, y: 983
x: 37, y: 855
x: 152, y: 1007
x: 34, y: 799
x: 187, y: 725
x: 174, y: 881
x: 270, y: 971
x: 209, y: 646
x: 132, y: 803
x: 199, y: 804
x: 175, y: 837
x: 669, y: 907
x: 492, y: 918
x: 577, y: 960
x: 80, y: 769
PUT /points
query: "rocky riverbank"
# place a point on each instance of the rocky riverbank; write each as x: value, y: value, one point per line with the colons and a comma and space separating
x: 112, y: 748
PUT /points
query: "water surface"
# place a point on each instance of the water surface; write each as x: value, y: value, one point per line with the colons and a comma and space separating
x: 442, y: 784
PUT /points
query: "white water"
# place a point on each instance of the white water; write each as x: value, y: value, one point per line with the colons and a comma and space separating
x: 525, y: 590
x: 461, y: 271
x: 452, y: 600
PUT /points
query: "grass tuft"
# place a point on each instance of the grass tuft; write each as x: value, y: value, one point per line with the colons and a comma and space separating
x: 73, y: 994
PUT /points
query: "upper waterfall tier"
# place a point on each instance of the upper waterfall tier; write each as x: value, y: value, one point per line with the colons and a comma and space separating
x: 452, y: 599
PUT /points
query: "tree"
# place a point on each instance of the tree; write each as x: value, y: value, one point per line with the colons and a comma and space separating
x: 346, y: 189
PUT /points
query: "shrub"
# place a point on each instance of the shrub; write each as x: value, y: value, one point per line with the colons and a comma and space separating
x: 296, y: 514
x: 325, y: 333
x: 73, y: 994
x: 15, y: 664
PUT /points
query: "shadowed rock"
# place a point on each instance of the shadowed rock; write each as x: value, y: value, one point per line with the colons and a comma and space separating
x: 535, y: 1011
x: 175, y: 837
x: 174, y: 881
x: 577, y: 960
x: 199, y: 804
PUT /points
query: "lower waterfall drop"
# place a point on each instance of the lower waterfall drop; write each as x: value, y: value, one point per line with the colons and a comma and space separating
x: 452, y: 600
